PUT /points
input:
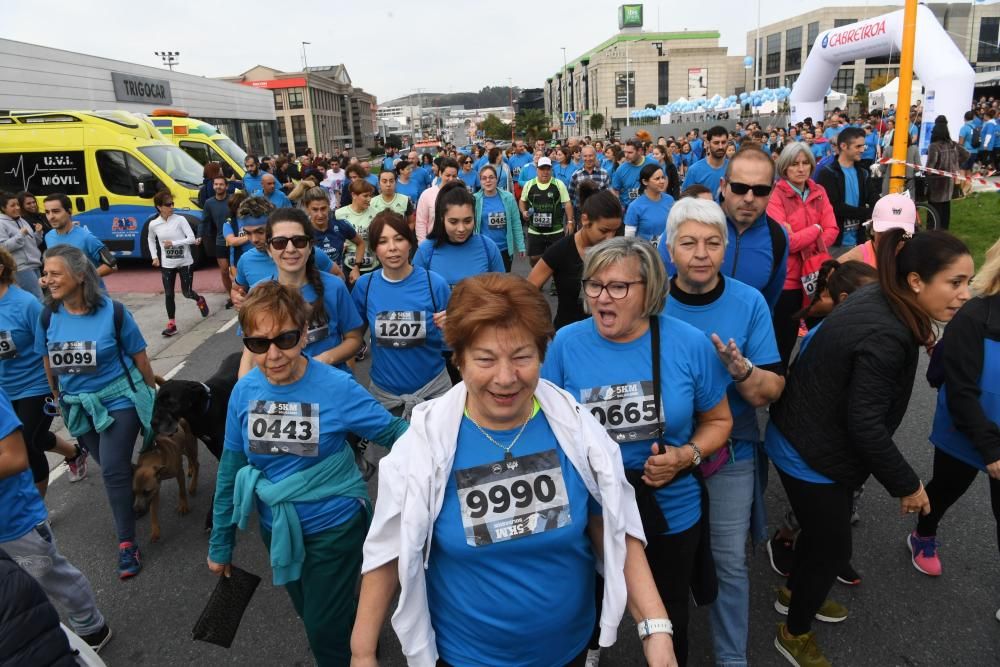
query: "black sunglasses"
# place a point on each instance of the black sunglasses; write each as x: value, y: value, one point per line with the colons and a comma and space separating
x: 286, y: 340
x: 743, y: 188
x: 169, y: 204
x: 281, y: 242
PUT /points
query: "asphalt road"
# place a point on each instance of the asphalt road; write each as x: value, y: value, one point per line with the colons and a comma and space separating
x: 897, y: 615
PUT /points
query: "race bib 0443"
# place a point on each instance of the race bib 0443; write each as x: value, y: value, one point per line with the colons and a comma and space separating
x: 8, y: 350
x: 275, y: 428
x: 400, y: 328
x: 512, y: 499
x: 627, y: 411
x: 73, y: 357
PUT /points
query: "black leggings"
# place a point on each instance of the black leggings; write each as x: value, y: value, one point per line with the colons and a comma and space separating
x: 508, y: 261
x: 943, y: 210
x: 822, y: 548
x: 952, y: 478
x: 170, y: 280
x: 37, y: 437
x: 671, y: 560
x: 786, y: 326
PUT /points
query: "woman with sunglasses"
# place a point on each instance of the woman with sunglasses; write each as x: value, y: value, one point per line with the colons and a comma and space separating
x: 498, y: 217
x: 390, y: 199
x: 610, y: 363
x: 600, y: 218
x: 170, y: 239
x: 468, y: 175
x: 359, y: 213
x: 334, y: 332
x: 286, y: 454
x: 404, y: 307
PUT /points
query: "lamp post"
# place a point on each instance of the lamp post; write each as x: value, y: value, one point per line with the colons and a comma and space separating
x: 305, y: 61
x: 628, y: 96
x: 562, y: 82
x: 170, y: 58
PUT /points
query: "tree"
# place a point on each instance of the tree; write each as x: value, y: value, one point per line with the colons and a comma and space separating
x: 596, y: 121
x: 879, y: 82
x: 393, y: 141
x: 861, y: 95
x: 493, y: 127
x: 532, y: 124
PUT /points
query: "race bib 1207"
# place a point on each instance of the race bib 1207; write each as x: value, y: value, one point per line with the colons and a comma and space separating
x: 627, y: 411
x: 275, y: 427
x: 8, y: 350
x: 73, y: 357
x: 400, y: 328
x: 512, y: 499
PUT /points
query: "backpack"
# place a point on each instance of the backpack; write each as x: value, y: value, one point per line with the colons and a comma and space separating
x: 778, y: 244
x: 976, y: 140
x: 119, y: 319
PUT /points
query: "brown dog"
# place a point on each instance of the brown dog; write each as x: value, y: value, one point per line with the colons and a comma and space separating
x: 164, y: 461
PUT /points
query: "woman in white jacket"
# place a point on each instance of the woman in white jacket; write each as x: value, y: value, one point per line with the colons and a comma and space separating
x: 497, y: 505
x: 170, y: 239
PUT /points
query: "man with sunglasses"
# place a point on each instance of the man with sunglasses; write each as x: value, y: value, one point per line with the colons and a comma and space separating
x: 709, y: 170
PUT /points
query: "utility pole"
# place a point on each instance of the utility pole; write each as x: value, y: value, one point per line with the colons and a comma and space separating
x: 305, y: 61
x: 628, y: 90
x: 510, y: 90
x: 564, y: 81
x: 420, y: 110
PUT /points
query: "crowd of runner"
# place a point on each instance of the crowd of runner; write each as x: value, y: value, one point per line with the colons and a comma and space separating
x: 604, y: 457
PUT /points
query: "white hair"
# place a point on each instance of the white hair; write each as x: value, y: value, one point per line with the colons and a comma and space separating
x: 696, y: 209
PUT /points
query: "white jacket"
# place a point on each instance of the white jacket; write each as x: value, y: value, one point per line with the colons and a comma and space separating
x: 412, y: 481
x: 177, y: 230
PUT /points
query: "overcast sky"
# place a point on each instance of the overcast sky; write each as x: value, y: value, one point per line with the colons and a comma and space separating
x: 390, y: 47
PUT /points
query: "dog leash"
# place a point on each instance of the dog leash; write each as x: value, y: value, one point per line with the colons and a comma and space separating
x: 208, y: 394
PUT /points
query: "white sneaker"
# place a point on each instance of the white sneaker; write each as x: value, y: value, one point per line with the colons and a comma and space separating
x: 78, y: 466
x: 594, y: 656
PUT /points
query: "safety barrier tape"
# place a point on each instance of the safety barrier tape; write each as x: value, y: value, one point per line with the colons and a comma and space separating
x: 939, y: 172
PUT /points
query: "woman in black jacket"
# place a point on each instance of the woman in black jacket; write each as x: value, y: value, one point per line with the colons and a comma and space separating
x: 966, y: 434
x: 844, y: 398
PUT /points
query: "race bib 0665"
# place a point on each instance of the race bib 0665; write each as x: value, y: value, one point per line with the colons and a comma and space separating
x: 275, y: 427
x: 512, y: 499
x: 400, y: 328
x: 73, y: 357
x: 627, y: 411
x: 8, y: 350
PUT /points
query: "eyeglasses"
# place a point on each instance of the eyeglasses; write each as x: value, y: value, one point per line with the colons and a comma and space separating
x: 743, y: 188
x: 168, y: 204
x: 281, y: 242
x: 616, y: 290
x: 468, y: 162
x: 286, y: 340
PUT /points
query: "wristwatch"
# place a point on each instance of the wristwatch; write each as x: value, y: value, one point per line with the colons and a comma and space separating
x: 746, y: 375
x: 652, y: 626
x: 696, y: 461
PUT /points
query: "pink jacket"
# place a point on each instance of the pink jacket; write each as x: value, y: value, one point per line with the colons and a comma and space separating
x: 425, y: 212
x: 800, y: 219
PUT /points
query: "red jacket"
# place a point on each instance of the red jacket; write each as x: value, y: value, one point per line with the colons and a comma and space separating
x: 800, y: 219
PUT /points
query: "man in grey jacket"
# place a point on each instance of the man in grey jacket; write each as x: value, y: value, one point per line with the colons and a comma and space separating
x: 18, y: 237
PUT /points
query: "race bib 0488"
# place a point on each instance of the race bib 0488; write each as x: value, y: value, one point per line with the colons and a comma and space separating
x: 276, y: 428
x: 400, y: 328
x: 8, y: 350
x: 627, y: 411
x: 512, y: 499
x: 73, y: 357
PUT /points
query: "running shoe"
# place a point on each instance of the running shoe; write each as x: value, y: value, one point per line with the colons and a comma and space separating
x: 129, y: 560
x: 593, y: 657
x: 362, y: 353
x: 923, y: 554
x: 849, y: 576
x: 202, y: 306
x: 781, y: 553
x: 829, y: 612
x: 171, y: 330
x: 98, y: 640
x: 799, y: 650
x: 77, y: 465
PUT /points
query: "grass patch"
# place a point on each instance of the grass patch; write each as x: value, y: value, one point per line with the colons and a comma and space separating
x: 976, y: 220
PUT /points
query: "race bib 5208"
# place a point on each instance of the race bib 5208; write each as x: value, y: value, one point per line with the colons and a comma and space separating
x: 8, y: 350
x: 627, y: 411
x: 275, y: 427
x: 512, y: 499
x: 73, y: 357
x: 400, y: 328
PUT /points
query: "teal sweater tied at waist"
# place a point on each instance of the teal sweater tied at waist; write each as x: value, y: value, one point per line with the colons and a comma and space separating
x: 336, y: 475
x: 80, y: 410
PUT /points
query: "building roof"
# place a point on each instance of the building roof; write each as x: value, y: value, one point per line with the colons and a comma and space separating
x: 644, y: 37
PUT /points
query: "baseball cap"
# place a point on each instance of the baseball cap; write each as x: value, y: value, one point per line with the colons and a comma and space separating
x: 892, y: 211
x: 544, y: 162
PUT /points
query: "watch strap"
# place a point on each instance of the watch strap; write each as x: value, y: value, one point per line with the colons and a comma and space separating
x: 652, y: 626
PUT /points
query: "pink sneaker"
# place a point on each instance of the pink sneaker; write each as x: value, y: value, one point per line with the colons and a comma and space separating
x: 923, y: 554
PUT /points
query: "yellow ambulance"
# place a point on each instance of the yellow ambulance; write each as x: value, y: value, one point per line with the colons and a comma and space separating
x: 200, y: 140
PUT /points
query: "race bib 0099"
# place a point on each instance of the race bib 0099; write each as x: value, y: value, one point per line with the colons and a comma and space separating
x: 400, y: 328
x: 8, y: 350
x: 275, y: 428
x: 73, y: 357
x: 512, y: 499
x: 627, y: 411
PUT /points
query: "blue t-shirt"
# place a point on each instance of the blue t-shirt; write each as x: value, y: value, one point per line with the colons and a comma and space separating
x: 388, y: 163
x: 411, y: 189
x: 406, y: 344
x: 79, y: 237
x: 528, y: 172
x: 373, y: 179
x: 252, y: 184
x: 649, y: 217
x: 819, y: 150
x: 85, y: 333
x: 697, y: 149
x: 455, y: 261
x: 22, y: 374
x: 703, y: 173
x: 851, y: 193
x: 564, y: 173
x: 517, y: 161
x: 279, y: 199
x: 965, y: 136
x: 830, y: 134
x: 331, y: 241
x: 739, y: 312
x: 493, y: 221
x: 871, y: 143
x: 625, y: 182
x: 470, y: 178
x: 255, y: 266
x: 536, y: 587
x: 23, y: 508
x: 615, y: 382
x: 328, y: 404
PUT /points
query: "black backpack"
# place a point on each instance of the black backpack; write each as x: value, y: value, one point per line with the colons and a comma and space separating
x: 778, y: 244
x: 976, y: 140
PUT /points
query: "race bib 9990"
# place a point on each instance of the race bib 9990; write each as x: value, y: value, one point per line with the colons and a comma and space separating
x: 627, y: 411
x: 275, y: 427
x: 8, y: 350
x: 400, y: 328
x: 512, y: 499
x: 73, y: 357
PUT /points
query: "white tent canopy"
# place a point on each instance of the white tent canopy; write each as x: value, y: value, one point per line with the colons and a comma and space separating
x: 889, y: 94
x: 835, y: 100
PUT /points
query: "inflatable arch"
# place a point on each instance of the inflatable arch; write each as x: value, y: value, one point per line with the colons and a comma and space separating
x: 947, y: 77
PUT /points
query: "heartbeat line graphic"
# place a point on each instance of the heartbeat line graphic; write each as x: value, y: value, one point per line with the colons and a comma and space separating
x: 18, y: 170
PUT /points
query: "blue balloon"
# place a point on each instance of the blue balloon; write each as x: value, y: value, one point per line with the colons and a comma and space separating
x: 748, y: 62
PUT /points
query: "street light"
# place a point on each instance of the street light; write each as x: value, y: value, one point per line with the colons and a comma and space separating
x: 170, y: 58
x: 305, y: 62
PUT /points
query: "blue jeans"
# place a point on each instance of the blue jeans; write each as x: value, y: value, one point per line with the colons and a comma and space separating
x: 730, y: 495
x: 112, y: 450
x: 27, y: 279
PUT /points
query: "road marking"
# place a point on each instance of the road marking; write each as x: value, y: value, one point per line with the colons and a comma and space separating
x: 57, y: 472
x: 174, y: 371
x: 228, y: 325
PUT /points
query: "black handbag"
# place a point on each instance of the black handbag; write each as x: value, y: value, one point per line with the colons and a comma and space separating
x: 222, y: 615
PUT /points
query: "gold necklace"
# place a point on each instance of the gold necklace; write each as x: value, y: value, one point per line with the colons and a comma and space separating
x: 507, y: 456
